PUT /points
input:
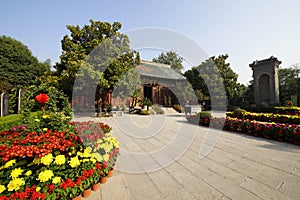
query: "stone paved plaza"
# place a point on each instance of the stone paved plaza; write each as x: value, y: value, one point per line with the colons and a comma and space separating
x: 164, y: 157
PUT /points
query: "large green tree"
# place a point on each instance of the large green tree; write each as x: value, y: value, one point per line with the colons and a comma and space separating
x: 18, y: 67
x: 129, y: 85
x: 209, y: 77
x: 96, y: 54
x: 170, y: 58
x: 289, y: 82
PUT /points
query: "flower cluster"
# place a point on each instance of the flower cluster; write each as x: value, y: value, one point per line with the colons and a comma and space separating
x: 278, y: 131
x: 266, y: 117
x: 54, y: 163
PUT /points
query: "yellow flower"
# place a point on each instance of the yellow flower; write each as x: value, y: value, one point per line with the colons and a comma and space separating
x: 93, y: 160
x: 2, y: 188
x: 16, y: 172
x: 106, y: 157
x: 28, y: 173
x: 108, y: 148
x: 74, y: 162
x: 37, y: 120
x: 45, y: 176
x: 45, y: 116
x: 98, y: 157
x: 15, y: 184
x: 47, y: 159
x: 56, y: 180
x: 60, y: 160
x: 86, y: 153
x: 10, y: 163
x: 37, y: 189
x: 116, y: 144
x: 45, y: 129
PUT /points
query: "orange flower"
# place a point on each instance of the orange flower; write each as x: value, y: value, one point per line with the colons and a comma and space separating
x: 42, y: 98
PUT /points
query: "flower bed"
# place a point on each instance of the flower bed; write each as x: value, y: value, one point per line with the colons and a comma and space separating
x: 287, y: 110
x: 50, y: 158
x: 269, y: 130
x: 266, y: 117
x: 53, y: 165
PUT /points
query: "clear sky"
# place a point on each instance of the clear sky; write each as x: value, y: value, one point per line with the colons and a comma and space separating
x: 245, y: 30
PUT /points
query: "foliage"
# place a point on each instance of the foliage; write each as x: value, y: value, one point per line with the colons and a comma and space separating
x: 170, y: 58
x: 18, y: 67
x: 204, y: 114
x: 56, y: 113
x: 288, y: 82
x: 147, y: 102
x: 103, y: 53
x: 270, y: 130
x: 135, y: 95
x: 53, y: 163
x: 248, y: 95
x: 266, y: 117
x: 185, y: 93
x: 48, y: 160
x: 178, y: 108
x: 129, y: 85
x: 210, y: 76
x: 239, y: 111
x: 143, y: 112
x: 9, y: 121
x: 288, y: 103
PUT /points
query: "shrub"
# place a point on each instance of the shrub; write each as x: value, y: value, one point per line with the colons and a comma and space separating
x: 54, y: 114
x: 178, y: 108
x: 143, y: 112
x: 204, y: 114
x: 9, y: 121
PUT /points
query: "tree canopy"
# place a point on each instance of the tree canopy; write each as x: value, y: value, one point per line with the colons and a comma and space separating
x: 170, y: 58
x: 18, y: 67
x: 214, y: 73
x: 97, y: 55
x: 289, y: 82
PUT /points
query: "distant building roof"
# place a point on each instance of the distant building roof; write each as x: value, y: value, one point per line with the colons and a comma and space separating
x: 272, y: 59
x: 158, y: 70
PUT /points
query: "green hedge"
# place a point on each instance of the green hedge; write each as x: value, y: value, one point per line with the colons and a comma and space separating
x: 9, y: 121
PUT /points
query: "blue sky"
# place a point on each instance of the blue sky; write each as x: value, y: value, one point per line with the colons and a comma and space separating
x: 245, y: 30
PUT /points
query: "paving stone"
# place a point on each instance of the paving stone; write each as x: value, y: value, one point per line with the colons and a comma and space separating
x: 223, y: 171
x: 290, y: 189
x: 230, y: 189
x: 256, y: 172
x: 233, y: 166
x: 140, y: 186
x: 261, y: 190
x: 182, y: 194
x: 114, y: 188
x: 165, y: 183
x: 197, y: 186
x: 196, y: 168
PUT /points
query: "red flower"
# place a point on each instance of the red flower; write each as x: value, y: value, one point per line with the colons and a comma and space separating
x: 42, y: 98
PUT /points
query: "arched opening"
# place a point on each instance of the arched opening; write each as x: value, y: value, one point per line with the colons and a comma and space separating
x: 264, y: 89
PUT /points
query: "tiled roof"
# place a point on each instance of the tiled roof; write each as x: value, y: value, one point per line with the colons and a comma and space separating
x: 157, y: 70
x: 268, y: 60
